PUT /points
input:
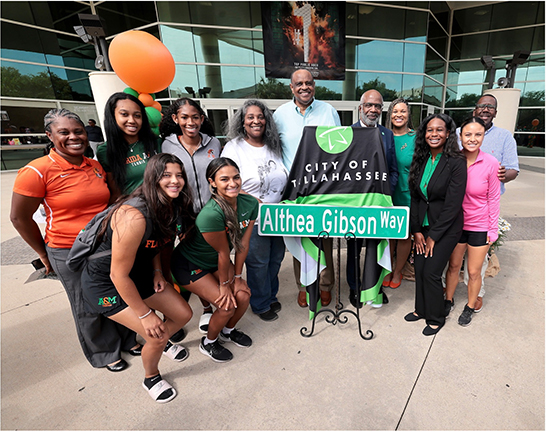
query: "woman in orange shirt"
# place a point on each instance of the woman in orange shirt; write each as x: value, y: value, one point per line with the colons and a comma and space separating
x: 72, y: 189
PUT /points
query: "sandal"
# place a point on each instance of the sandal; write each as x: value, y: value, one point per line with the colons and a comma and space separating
x: 158, y: 389
x: 175, y: 352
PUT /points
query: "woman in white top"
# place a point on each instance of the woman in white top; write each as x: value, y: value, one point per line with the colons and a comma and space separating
x: 255, y: 146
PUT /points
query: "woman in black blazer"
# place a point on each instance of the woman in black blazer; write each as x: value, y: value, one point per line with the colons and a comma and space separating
x: 437, y: 183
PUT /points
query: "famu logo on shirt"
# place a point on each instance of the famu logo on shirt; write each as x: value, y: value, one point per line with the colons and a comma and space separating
x: 334, y: 140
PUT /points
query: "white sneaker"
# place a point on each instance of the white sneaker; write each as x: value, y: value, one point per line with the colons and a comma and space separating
x: 204, y: 322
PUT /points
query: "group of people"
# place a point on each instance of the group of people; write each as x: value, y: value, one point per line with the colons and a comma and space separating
x: 180, y: 204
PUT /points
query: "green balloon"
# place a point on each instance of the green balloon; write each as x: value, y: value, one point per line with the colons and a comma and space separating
x: 155, y: 130
x: 152, y: 95
x: 130, y: 91
x: 154, y: 116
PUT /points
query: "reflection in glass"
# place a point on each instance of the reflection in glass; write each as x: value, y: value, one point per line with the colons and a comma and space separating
x: 432, y: 93
x: 23, y: 80
x: 530, y: 120
x: 120, y: 16
x: 435, y: 66
x: 412, y: 87
x: 179, y: 41
x: 437, y: 37
x: 185, y: 76
x: 380, y: 55
x: 533, y: 94
x: 464, y: 96
x: 389, y: 85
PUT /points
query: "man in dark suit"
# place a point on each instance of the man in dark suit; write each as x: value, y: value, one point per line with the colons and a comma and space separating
x: 369, y: 109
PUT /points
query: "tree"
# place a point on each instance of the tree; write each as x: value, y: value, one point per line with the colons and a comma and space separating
x: 272, y: 89
x: 388, y: 95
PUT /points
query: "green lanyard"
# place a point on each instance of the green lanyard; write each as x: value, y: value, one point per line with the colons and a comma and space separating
x: 425, y: 180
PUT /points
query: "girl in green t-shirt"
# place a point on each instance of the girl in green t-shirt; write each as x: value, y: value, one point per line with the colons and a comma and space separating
x: 130, y: 143
x: 203, y: 266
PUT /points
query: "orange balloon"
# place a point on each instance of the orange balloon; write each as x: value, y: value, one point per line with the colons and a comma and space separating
x: 141, y: 61
x: 535, y: 122
x: 157, y: 106
x: 146, y: 99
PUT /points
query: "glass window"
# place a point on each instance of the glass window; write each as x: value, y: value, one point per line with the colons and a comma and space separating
x: 412, y: 87
x: 173, y: 11
x: 437, y: 37
x: 432, y: 92
x: 527, y: 120
x: 389, y: 85
x: 414, y: 57
x: 435, y: 66
x: 58, y: 15
x: 538, y: 41
x: 459, y: 116
x: 464, y: 95
x: 494, y: 44
x: 227, y: 81
x: 179, y: 41
x: 380, y: 55
x: 217, y: 117
x: 533, y: 94
x: 185, y: 76
x: 21, y: 43
x: 516, y: 14
x: 23, y: 80
x: 472, y: 19
x: 403, y: 24
x: 224, y: 13
x: 22, y: 117
x: 346, y: 118
x: 120, y: 16
x: 223, y: 46
x: 530, y: 141
x: 441, y: 10
x: 468, y: 72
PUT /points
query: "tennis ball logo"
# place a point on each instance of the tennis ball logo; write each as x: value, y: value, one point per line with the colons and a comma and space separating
x: 334, y: 140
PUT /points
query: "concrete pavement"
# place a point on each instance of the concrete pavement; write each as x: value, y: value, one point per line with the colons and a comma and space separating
x: 488, y: 376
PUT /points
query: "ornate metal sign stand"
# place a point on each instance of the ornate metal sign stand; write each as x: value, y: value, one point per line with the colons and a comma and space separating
x: 339, y: 315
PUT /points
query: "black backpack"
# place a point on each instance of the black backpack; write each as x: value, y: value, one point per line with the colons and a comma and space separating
x: 87, y: 242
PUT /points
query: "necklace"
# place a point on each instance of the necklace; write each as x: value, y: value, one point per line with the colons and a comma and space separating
x: 189, y: 148
x: 132, y: 146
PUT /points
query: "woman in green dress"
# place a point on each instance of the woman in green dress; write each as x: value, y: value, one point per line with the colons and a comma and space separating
x: 399, y: 121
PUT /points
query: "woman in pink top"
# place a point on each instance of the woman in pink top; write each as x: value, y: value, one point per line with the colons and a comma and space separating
x: 481, y: 207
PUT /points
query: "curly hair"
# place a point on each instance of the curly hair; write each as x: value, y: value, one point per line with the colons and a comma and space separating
x: 388, y: 123
x: 235, y: 127
x: 422, y: 149
x: 116, y: 144
x: 168, y: 126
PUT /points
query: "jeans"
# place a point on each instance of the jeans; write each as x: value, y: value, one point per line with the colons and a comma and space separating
x: 263, y: 262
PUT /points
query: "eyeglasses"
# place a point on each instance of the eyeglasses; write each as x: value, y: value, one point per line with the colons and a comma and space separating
x: 370, y: 105
x: 486, y: 106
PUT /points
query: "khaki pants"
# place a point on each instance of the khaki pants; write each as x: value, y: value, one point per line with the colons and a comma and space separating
x: 327, y: 276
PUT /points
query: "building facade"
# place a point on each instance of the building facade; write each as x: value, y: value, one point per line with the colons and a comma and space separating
x: 428, y: 52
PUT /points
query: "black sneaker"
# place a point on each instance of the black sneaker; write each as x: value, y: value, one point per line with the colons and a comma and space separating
x: 215, y: 351
x: 466, y: 316
x: 268, y: 315
x: 237, y: 337
x: 275, y: 307
x: 448, y: 306
x: 178, y: 336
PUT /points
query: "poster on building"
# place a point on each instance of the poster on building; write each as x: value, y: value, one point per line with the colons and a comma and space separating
x: 304, y: 35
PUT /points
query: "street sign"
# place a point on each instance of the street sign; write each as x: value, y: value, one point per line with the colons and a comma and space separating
x: 300, y: 220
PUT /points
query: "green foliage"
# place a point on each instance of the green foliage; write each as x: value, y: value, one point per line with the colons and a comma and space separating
x: 324, y: 93
x: 272, y: 89
x: 43, y: 85
x: 376, y: 84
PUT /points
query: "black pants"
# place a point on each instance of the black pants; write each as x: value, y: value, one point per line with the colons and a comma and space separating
x: 429, y: 293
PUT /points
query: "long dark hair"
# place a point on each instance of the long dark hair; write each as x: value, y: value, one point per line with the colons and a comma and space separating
x: 116, y: 145
x: 164, y: 213
x: 422, y: 150
x: 232, y: 220
x: 168, y: 126
x: 235, y: 128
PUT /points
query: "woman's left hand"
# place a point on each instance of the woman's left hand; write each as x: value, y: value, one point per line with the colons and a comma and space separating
x: 429, y: 247
x: 240, y: 285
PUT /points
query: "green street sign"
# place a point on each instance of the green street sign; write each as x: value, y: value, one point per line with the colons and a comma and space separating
x: 300, y: 220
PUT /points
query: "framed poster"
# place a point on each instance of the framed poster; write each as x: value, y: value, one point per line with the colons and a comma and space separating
x: 304, y: 35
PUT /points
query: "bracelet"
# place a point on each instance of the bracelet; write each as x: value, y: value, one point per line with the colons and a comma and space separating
x: 239, y: 275
x: 158, y: 270
x: 226, y: 282
x: 146, y: 314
